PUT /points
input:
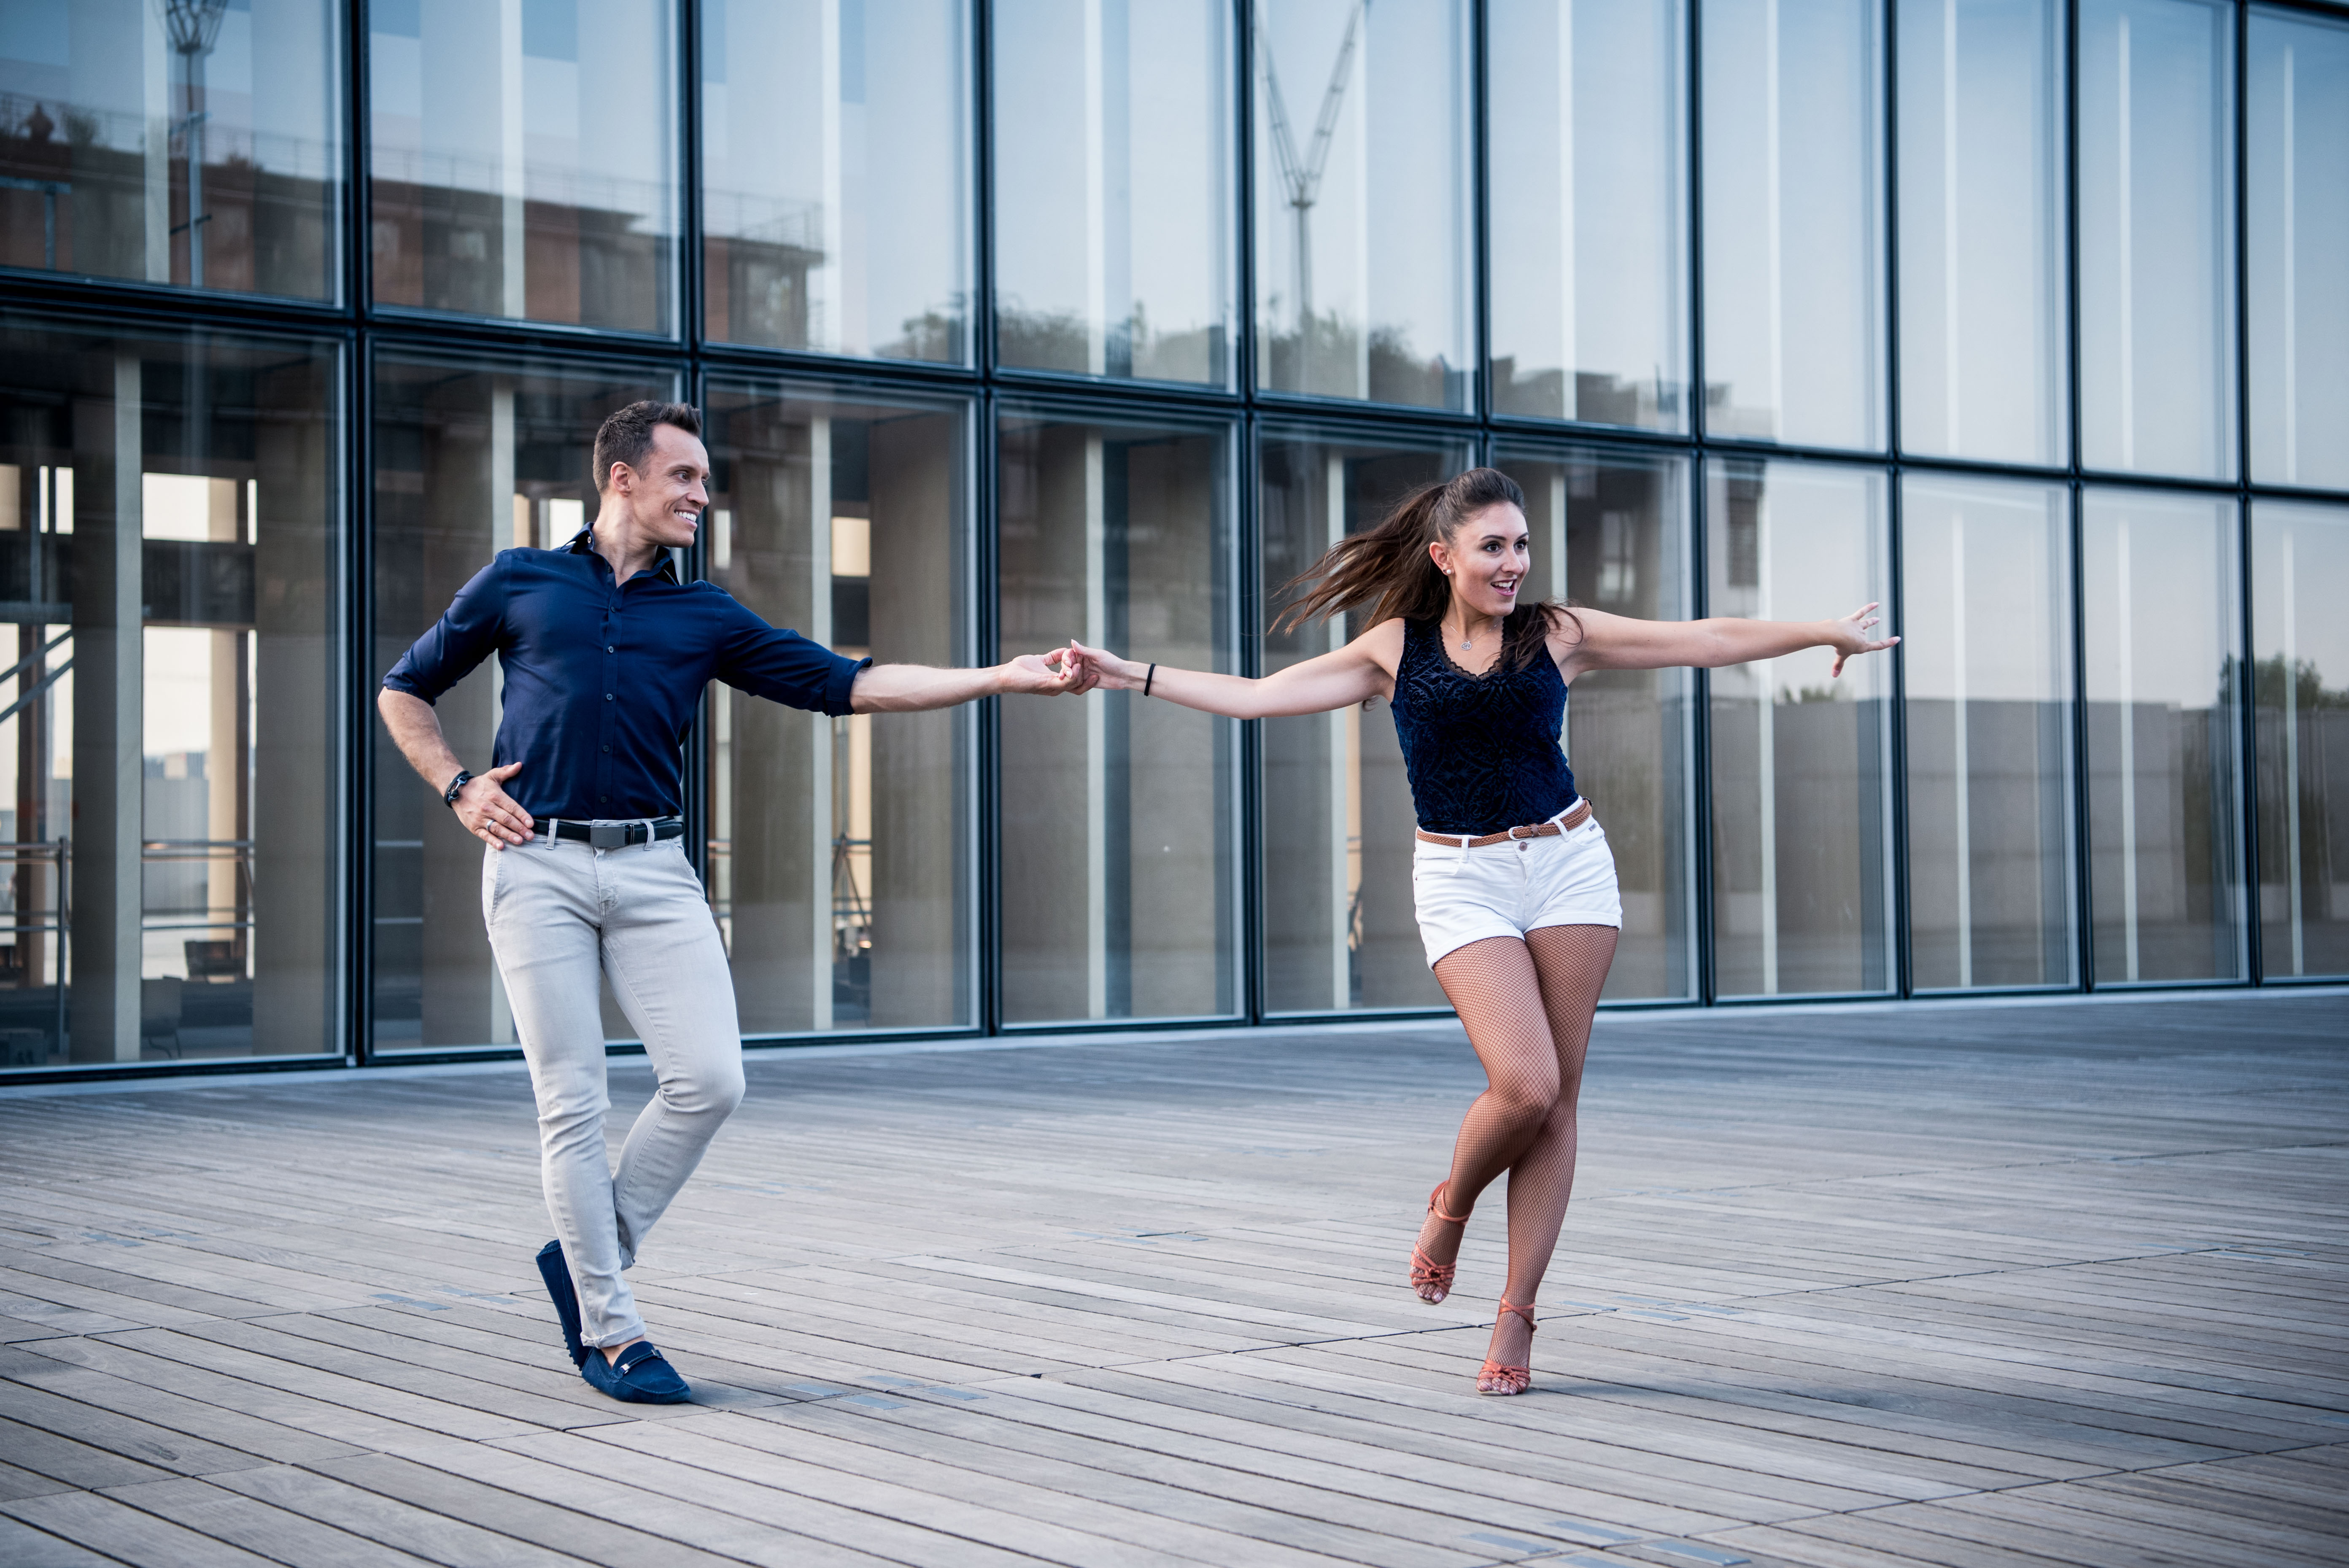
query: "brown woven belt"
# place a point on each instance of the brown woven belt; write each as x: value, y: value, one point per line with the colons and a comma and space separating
x: 1573, y: 817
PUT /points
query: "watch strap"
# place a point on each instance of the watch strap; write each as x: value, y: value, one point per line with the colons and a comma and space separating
x: 448, y: 796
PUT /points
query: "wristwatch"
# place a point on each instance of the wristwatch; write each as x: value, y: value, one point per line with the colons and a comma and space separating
x: 448, y: 796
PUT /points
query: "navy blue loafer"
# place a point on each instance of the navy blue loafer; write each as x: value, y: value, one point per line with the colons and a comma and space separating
x: 641, y: 1375
x: 559, y: 1290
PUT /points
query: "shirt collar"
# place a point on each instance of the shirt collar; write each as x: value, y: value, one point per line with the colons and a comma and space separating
x: 583, y: 544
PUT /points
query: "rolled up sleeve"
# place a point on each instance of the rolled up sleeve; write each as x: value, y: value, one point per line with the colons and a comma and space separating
x: 468, y: 633
x: 781, y: 665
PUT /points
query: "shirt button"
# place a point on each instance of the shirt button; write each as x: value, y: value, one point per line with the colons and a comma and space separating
x: 608, y: 697
x: 603, y: 799
x: 607, y: 749
x: 610, y: 649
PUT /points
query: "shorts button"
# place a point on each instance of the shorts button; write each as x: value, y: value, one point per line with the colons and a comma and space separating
x: 1521, y: 846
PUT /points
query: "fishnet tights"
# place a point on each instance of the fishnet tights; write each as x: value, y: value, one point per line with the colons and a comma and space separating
x: 1527, y: 1007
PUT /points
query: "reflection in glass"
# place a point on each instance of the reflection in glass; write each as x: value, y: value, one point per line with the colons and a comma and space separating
x: 2298, y: 105
x: 840, y: 865
x: 836, y: 174
x: 2163, y: 743
x: 1362, y: 201
x: 1118, y: 812
x: 1802, y: 808
x: 1339, y: 930
x: 1609, y: 531
x: 168, y: 775
x: 1981, y: 230
x: 1113, y: 188
x: 2156, y: 220
x: 523, y: 159
x: 1793, y: 237
x: 1986, y: 600
x: 1589, y: 262
x: 469, y: 459
x: 120, y: 117
x: 2300, y: 641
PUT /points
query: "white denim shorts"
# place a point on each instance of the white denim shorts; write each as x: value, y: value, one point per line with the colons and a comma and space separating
x: 1512, y: 887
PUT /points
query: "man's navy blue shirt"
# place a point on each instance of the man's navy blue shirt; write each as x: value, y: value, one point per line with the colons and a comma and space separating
x: 602, y: 676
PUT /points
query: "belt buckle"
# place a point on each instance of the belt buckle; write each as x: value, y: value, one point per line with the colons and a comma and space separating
x: 1523, y: 833
x: 607, y: 835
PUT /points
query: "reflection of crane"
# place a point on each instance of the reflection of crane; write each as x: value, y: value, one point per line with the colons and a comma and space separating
x: 1304, y: 181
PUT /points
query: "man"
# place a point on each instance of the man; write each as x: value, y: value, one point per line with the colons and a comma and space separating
x: 605, y: 653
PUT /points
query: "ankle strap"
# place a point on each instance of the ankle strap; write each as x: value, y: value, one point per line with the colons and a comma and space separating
x: 1526, y: 1312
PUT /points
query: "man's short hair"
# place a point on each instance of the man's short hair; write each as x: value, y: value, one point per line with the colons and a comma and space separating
x: 628, y: 435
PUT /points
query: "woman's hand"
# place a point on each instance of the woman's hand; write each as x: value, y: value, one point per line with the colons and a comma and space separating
x: 1848, y: 636
x: 1105, y: 668
x: 1046, y: 674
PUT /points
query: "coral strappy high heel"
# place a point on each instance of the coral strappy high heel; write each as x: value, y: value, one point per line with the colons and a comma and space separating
x: 1495, y: 1378
x: 1426, y: 1274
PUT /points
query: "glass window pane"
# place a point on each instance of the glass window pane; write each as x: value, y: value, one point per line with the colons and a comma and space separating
x: 1610, y: 531
x: 1340, y: 929
x: 1802, y: 813
x: 2163, y: 749
x: 523, y: 159
x: 1986, y: 611
x: 116, y: 122
x: 1983, y: 339
x: 836, y: 184
x: 1119, y: 837
x: 2157, y: 224
x: 470, y: 459
x: 1794, y: 235
x: 1362, y: 203
x: 2300, y: 579
x: 2299, y: 248
x: 1113, y: 188
x: 195, y: 912
x: 841, y: 853
x: 1588, y: 148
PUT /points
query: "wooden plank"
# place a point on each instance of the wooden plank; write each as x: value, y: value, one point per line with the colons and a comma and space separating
x: 390, y: 1522
x: 221, y: 1515
x: 116, y: 1531
x: 22, y: 1546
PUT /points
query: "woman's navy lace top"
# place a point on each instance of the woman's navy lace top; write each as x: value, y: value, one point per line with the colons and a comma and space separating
x: 1482, y: 750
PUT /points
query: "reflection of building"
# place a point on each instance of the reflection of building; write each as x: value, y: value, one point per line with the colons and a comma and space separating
x: 1771, y: 309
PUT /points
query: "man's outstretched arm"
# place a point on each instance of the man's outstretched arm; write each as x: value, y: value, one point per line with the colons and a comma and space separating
x: 914, y: 688
x: 488, y: 812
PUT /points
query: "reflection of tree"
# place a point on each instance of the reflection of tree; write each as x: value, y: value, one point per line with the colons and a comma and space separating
x: 2302, y: 741
x: 1063, y: 340
x: 1326, y: 359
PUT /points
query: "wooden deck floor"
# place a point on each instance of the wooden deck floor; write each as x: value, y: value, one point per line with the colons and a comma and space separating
x: 1987, y: 1285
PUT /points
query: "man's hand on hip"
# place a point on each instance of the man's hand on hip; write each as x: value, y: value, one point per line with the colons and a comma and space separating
x: 490, y: 813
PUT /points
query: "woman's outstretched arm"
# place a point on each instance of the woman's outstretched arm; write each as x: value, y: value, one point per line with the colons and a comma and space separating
x: 1625, y: 643
x: 1336, y: 679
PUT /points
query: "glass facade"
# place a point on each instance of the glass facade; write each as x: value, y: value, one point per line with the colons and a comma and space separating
x: 163, y: 145
x: 176, y: 694
x: 1802, y: 775
x: 1011, y: 322
x: 522, y: 159
x: 835, y: 176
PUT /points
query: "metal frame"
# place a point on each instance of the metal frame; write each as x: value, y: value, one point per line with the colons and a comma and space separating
x: 362, y: 328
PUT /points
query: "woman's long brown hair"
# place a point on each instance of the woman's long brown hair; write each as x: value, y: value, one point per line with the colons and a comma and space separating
x: 1388, y: 568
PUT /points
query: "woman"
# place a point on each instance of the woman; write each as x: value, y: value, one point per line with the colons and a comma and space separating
x: 1514, y: 883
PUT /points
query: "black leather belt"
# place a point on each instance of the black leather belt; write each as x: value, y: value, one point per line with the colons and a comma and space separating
x: 613, y: 835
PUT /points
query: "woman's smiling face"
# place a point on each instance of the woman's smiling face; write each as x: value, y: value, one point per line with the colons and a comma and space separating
x: 1486, y: 559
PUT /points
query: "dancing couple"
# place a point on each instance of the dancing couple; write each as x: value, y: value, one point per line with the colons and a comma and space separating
x: 605, y: 651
